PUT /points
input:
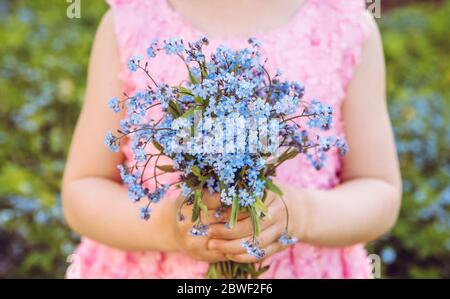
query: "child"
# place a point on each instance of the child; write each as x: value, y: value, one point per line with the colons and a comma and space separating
x: 334, y: 48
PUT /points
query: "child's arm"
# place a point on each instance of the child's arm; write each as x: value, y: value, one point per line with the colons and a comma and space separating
x: 95, y: 203
x: 366, y: 204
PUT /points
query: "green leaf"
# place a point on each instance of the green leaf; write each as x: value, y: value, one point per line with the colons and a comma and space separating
x: 203, y: 70
x: 287, y: 156
x: 198, y: 100
x: 157, y: 146
x: 260, y: 205
x: 260, y: 271
x: 195, y: 209
x: 189, y: 113
x: 192, y: 181
x: 193, y: 79
x: 198, y: 194
x: 202, y: 205
x: 196, y: 171
x: 212, y: 271
x: 274, y: 188
x: 199, y: 205
x: 166, y: 168
x: 255, y: 221
x: 234, y: 212
x: 174, y: 109
x: 184, y: 90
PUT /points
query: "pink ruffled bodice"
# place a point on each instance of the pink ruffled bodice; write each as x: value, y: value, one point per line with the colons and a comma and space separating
x: 319, y: 47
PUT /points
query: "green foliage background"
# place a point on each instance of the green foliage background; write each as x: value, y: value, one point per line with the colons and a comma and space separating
x: 43, y: 60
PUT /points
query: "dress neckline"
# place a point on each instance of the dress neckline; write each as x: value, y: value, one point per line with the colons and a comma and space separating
x: 187, y: 24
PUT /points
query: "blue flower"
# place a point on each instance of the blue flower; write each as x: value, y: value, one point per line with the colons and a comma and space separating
x: 151, y: 51
x: 227, y: 195
x: 185, y: 190
x: 133, y: 63
x: 111, y: 142
x: 244, y: 89
x: 218, y: 213
x: 159, y: 193
x: 245, y: 199
x: 125, y: 126
x: 114, y: 104
x: 255, y: 42
x: 317, y: 159
x: 279, y: 73
x: 321, y: 115
x: 286, y: 105
x: 298, y: 89
x: 342, y: 146
x: 287, y: 240
x: 195, y: 71
x: 211, y: 185
x: 326, y: 142
x: 135, y: 191
x: 253, y: 248
x: 258, y: 187
x: 145, y: 213
x: 173, y: 46
x: 229, y: 90
x: 199, y: 230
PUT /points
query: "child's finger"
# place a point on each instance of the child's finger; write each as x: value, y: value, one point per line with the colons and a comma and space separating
x: 214, y: 256
x: 243, y: 228
x: 211, y: 200
x: 227, y: 213
x: 266, y: 237
x: 207, y: 218
x: 246, y: 258
x: 211, y: 219
x: 271, y: 197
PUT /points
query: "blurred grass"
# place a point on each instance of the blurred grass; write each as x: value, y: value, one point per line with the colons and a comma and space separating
x: 417, y: 51
x: 43, y: 60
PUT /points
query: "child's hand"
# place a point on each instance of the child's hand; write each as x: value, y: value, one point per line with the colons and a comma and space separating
x: 195, y: 246
x: 228, y: 241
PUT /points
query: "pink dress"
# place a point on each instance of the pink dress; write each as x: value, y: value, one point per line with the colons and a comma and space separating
x: 320, y: 47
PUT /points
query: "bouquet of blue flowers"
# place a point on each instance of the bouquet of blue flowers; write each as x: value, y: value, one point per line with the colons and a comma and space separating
x: 226, y: 129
